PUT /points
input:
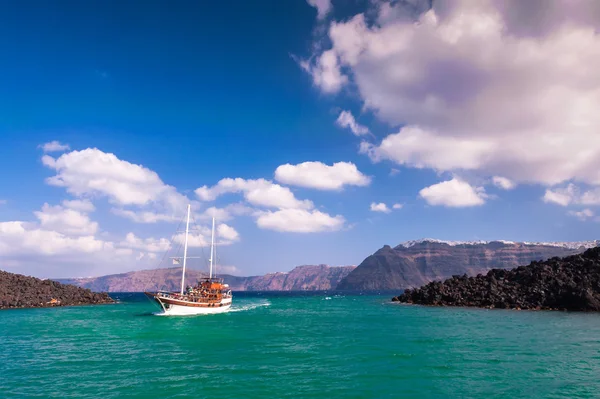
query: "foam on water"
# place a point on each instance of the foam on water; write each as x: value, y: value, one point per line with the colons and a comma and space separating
x: 234, y: 308
x: 248, y: 306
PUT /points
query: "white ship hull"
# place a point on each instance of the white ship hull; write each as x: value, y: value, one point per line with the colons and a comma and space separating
x: 177, y: 310
x: 177, y: 307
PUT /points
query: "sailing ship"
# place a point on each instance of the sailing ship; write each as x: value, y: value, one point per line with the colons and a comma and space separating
x: 209, y: 296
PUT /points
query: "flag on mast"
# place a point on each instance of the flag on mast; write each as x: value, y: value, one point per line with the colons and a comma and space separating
x: 176, y: 261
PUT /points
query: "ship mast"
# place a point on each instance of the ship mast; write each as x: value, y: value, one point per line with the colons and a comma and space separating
x: 187, y: 230
x: 212, y: 248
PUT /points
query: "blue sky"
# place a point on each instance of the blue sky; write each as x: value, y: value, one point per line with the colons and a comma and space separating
x: 153, y: 102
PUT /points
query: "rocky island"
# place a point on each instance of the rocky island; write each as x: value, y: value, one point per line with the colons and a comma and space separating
x: 569, y: 283
x: 18, y: 291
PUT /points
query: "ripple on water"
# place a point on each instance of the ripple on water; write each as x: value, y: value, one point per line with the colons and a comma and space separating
x: 286, y: 346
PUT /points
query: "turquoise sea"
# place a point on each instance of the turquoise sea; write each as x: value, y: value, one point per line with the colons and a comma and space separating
x: 298, y: 346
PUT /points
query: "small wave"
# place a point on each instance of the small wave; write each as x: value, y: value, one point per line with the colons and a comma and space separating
x: 250, y: 306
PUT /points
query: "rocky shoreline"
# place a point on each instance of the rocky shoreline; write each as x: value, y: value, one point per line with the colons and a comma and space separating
x: 18, y: 291
x: 570, y: 283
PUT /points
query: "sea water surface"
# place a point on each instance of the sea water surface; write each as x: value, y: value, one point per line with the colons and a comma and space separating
x: 320, y: 345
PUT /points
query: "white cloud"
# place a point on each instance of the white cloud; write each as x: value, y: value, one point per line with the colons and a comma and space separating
x: 31, y: 249
x: 66, y: 221
x: 477, y: 85
x: 326, y: 72
x: 417, y: 148
x: 200, y: 236
x: 582, y: 215
x: 146, y: 216
x: 571, y: 194
x: 145, y: 244
x: 259, y: 192
x: 93, y: 172
x: 217, y: 213
x: 321, y: 176
x: 65, y: 242
x: 503, y: 183
x: 20, y: 238
x: 346, y: 119
x: 79, y: 205
x: 453, y: 193
x: 561, y: 196
x: 299, y: 221
x: 323, y: 7
x: 397, y: 206
x: 195, y: 240
x: 380, y: 207
x: 54, y: 146
x: 590, y: 197
x: 293, y: 215
x: 2, y: 201
x: 226, y: 213
x: 227, y: 233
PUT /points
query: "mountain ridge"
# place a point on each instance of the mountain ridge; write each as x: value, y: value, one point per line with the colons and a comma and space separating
x: 301, y: 278
x: 418, y: 262
x: 564, y: 244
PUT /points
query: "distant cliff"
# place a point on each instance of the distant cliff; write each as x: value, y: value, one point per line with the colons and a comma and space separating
x: 18, y: 291
x: 301, y: 278
x: 416, y: 263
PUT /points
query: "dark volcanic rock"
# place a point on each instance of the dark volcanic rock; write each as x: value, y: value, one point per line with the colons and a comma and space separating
x: 18, y: 291
x: 570, y: 283
x: 428, y: 260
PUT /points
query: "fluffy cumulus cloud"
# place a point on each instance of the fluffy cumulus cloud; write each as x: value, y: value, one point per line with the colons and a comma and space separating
x: 323, y: 7
x: 299, y: 221
x: 21, y: 238
x: 79, y: 205
x: 64, y: 241
x: 140, y: 216
x: 572, y: 194
x: 53, y: 248
x: 227, y: 233
x: 93, y: 173
x: 65, y: 220
x: 201, y: 236
x: 503, y: 183
x: 326, y: 72
x: 259, y: 192
x: 497, y: 88
x: 321, y: 176
x: 453, y: 193
x: 147, y: 244
x: 380, y: 207
x: 346, y: 120
x: 583, y: 214
x: 292, y: 214
x: 225, y: 213
x: 54, y: 146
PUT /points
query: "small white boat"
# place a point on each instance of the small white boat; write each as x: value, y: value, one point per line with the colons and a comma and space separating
x: 208, y: 296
